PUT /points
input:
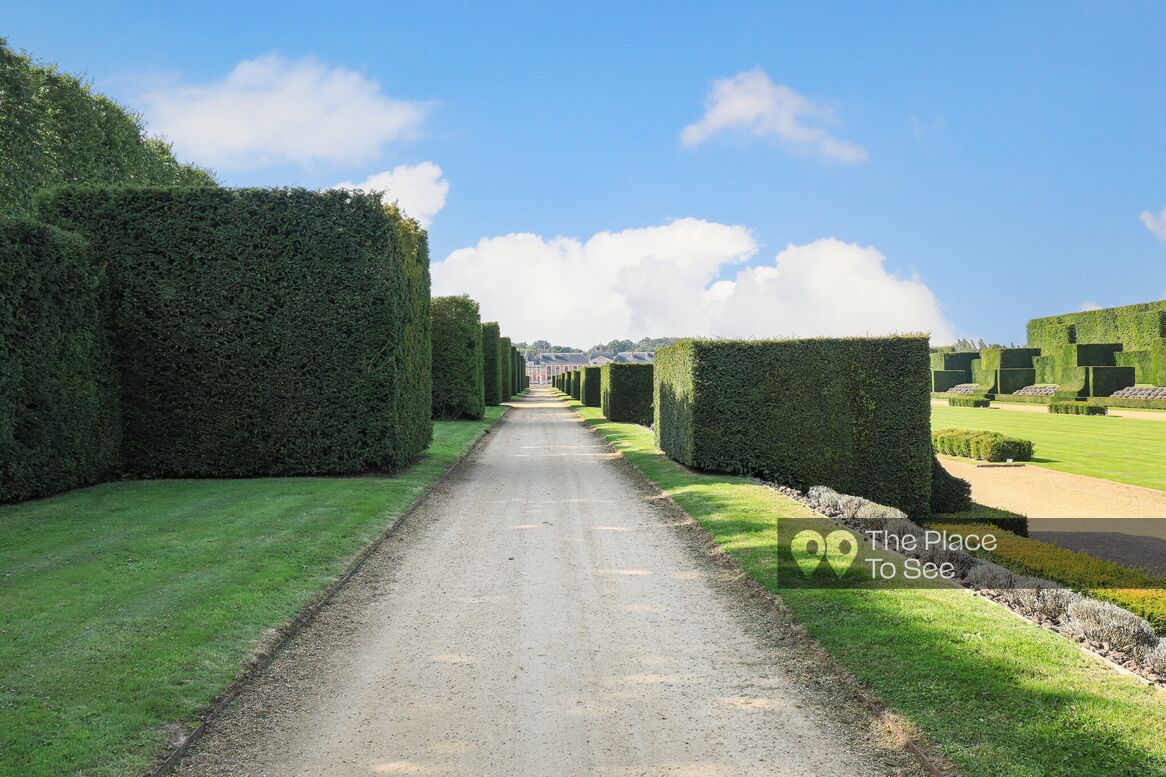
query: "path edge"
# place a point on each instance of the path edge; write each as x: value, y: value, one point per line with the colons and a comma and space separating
x: 914, y: 745
x: 269, y: 649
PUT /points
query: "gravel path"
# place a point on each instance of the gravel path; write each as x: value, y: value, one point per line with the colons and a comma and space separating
x: 543, y: 614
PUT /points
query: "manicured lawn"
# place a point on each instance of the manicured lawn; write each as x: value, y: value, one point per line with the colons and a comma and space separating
x: 996, y: 693
x: 1127, y: 450
x: 127, y: 607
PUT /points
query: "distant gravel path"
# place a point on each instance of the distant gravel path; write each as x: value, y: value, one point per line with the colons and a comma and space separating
x: 542, y: 614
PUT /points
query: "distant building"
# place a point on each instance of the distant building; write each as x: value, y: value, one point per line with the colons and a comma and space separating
x: 635, y: 357
x: 541, y: 368
x: 599, y: 359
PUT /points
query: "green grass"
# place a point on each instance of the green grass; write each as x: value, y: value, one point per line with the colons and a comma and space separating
x: 997, y: 694
x: 1127, y: 450
x: 125, y: 608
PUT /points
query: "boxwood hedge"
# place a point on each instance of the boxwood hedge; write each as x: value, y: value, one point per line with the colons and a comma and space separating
x: 982, y: 445
x: 58, y: 396
x: 414, y: 416
x: 575, y: 383
x: 506, y: 367
x: 1077, y: 408
x: 625, y: 392
x: 589, y: 386
x: 458, y: 390
x: 492, y: 362
x: 852, y: 414
x: 259, y: 332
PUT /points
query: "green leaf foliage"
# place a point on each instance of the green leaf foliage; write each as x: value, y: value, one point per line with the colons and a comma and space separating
x: 982, y: 445
x: 58, y: 395
x: 492, y: 362
x: 852, y: 414
x: 54, y: 130
x: 260, y: 332
x: 458, y: 390
x: 949, y: 494
x: 1077, y: 408
x: 625, y: 392
x: 968, y: 402
x: 589, y: 386
x: 506, y: 367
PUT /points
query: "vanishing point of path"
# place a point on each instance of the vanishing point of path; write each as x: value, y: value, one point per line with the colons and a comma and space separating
x: 542, y: 614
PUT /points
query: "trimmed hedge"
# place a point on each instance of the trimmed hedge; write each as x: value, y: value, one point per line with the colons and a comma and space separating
x: 458, y: 389
x: 982, y: 515
x: 56, y: 130
x: 589, y: 386
x: 58, y: 395
x: 949, y: 494
x: 1077, y: 408
x: 575, y: 384
x: 851, y: 414
x: 625, y: 392
x: 414, y: 427
x: 968, y: 402
x: 506, y: 367
x: 492, y: 362
x: 1134, y: 326
x: 981, y: 445
x: 260, y: 332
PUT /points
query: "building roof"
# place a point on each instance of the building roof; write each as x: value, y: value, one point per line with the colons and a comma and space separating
x: 559, y: 358
x: 635, y: 357
x: 600, y: 359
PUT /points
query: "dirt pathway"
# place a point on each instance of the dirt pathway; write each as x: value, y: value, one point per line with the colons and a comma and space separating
x: 540, y: 615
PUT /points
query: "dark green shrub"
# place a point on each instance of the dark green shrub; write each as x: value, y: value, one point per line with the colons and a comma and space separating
x: 258, y: 332
x: 982, y: 445
x: 851, y: 414
x: 980, y: 514
x: 506, y: 367
x: 626, y: 392
x: 949, y: 494
x: 968, y: 402
x: 458, y: 391
x: 575, y: 384
x: 1077, y: 408
x: 414, y: 413
x: 56, y: 130
x: 58, y: 394
x: 589, y: 386
x: 492, y: 362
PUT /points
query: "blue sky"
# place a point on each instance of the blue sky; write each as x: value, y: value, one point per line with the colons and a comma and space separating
x: 1008, y: 150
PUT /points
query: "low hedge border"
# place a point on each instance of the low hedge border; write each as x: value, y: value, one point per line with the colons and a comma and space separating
x: 979, y: 514
x: 968, y: 402
x: 980, y: 444
x: 1077, y: 408
x: 1140, y: 592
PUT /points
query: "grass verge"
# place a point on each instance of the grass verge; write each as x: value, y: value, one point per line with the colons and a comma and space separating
x: 997, y: 694
x: 126, y: 608
x: 1125, y: 450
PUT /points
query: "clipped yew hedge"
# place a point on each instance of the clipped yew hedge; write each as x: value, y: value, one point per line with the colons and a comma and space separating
x: 576, y: 384
x: 852, y: 414
x: 625, y: 392
x: 506, y: 367
x: 589, y: 386
x: 458, y: 389
x: 492, y: 362
x: 58, y: 395
x: 260, y: 332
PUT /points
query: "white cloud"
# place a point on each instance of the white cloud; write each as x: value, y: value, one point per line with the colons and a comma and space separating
x: 271, y: 110
x: 1089, y: 305
x: 919, y: 128
x: 1155, y: 222
x: 661, y: 281
x: 751, y: 102
x: 418, y: 189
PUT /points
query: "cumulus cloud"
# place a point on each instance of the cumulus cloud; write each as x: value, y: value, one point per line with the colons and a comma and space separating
x: 418, y: 189
x: 272, y: 110
x: 1089, y: 305
x: 663, y: 281
x: 1155, y: 222
x: 751, y: 102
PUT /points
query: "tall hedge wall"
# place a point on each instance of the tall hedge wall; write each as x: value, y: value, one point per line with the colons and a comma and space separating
x: 576, y: 384
x: 852, y: 414
x: 55, y: 130
x: 589, y: 386
x: 506, y: 367
x: 1134, y: 326
x: 58, y: 396
x: 625, y: 392
x: 414, y: 416
x: 458, y: 390
x: 492, y: 362
x: 258, y: 332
